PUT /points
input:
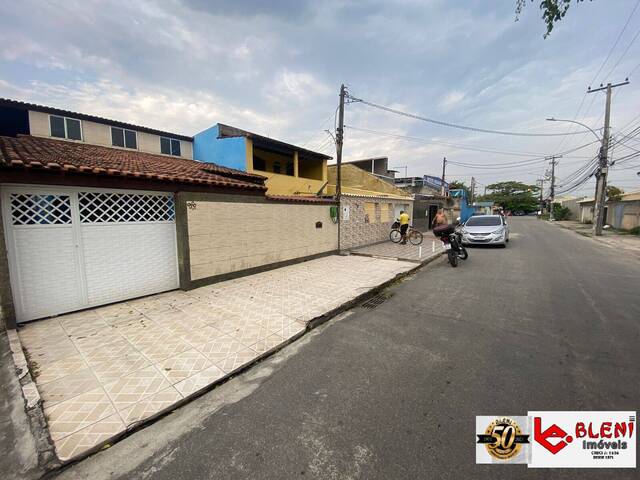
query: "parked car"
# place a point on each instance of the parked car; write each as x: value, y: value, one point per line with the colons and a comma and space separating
x: 485, y: 229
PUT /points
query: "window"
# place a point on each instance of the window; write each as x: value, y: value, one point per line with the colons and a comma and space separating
x: 370, y: 212
x: 123, y: 138
x: 63, y: 127
x: 170, y: 146
x: 276, y: 167
x: 289, y: 169
x: 259, y: 164
x: 484, y: 221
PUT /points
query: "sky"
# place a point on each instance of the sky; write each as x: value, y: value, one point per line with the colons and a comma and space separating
x: 275, y: 68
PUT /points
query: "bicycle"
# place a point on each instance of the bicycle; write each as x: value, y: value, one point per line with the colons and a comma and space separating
x: 414, y: 236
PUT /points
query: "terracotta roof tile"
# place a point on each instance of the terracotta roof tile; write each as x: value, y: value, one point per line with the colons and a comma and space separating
x: 26, y: 151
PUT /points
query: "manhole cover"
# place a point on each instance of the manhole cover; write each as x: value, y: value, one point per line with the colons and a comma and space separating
x: 376, y: 301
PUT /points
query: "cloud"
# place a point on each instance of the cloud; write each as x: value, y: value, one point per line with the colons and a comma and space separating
x: 275, y: 68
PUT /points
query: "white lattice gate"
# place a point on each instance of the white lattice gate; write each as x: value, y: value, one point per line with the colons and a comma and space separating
x: 72, y: 248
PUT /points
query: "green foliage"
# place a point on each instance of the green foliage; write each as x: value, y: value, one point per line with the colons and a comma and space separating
x: 552, y: 11
x: 513, y: 196
x: 614, y: 193
x: 635, y: 231
x: 560, y: 212
x: 457, y: 185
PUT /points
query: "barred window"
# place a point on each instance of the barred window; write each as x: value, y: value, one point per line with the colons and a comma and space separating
x: 33, y: 209
x: 101, y: 207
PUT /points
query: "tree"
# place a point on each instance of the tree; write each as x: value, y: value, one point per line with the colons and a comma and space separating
x: 614, y: 193
x: 513, y: 196
x: 458, y: 185
x: 552, y: 11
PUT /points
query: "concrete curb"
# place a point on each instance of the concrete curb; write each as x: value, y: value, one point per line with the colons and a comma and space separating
x: 56, y: 464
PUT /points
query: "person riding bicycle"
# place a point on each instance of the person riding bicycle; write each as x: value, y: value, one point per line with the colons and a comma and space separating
x: 404, y: 226
x: 440, y: 219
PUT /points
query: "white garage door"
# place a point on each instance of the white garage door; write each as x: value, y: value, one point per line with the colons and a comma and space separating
x: 76, y: 248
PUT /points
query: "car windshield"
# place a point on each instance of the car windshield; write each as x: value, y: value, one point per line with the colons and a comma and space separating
x: 483, y: 222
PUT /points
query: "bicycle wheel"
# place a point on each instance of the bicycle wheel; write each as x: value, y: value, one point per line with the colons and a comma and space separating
x: 395, y: 236
x: 415, y: 237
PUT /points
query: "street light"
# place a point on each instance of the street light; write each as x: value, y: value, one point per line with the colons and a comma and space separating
x: 577, y: 123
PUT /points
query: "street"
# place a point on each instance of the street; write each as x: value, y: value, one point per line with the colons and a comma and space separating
x: 549, y: 323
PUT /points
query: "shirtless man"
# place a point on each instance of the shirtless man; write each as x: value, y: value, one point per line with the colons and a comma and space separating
x: 440, y: 219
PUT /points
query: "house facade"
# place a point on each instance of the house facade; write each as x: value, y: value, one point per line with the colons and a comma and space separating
x: 289, y: 170
x: 86, y: 221
x: 368, y: 206
x: 378, y: 166
x: 427, y: 193
x: 623, y: 213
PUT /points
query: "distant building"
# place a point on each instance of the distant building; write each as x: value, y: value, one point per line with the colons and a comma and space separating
x: 290, y: 170
x: 378, y: 166
x: 369, y: 205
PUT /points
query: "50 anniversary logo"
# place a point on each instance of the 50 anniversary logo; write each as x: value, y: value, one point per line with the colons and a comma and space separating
x: 559, y: 439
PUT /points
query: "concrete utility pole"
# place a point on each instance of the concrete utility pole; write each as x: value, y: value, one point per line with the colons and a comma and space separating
x: 552, y: 190
x: 473, y: 189
x: 601, y: 183
x: 444, y: 167
x: 541, y: 180
x: 339, y: 140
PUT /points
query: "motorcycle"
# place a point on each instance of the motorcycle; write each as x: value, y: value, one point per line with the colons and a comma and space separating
x: 452, y: 243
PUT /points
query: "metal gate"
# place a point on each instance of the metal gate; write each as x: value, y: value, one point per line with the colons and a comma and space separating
x: 73, y: 248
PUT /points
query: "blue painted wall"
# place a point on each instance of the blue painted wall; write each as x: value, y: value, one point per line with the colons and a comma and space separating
x: 228, y: 152
x: 466, y: 210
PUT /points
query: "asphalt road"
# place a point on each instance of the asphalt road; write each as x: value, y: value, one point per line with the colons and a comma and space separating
x: 549, y: 323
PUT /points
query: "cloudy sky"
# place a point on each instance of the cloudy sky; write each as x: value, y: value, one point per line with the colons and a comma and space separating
x: 275, y: 67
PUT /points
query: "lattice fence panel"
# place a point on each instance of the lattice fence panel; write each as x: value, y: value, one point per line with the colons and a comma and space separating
x: 100, y: 207
x: 34, y: 209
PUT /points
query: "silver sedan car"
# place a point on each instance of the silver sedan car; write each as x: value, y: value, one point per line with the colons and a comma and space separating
x: 486, y: 230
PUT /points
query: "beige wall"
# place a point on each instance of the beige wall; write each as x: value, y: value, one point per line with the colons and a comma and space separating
x: 227, y: 237
x: 100, y: 134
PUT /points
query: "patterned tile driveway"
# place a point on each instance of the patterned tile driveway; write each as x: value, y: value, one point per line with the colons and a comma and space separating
x: 101, y: 371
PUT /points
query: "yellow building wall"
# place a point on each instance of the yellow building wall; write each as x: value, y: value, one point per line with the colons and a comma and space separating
x: 281, y: 184
x: 357, y: 181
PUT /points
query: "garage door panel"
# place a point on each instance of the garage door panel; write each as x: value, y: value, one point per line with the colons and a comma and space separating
x: 128, y: 260
x: 47, y: 271
x: 73, y: 248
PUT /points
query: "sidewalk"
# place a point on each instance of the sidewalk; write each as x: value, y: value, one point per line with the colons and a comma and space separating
x: 104, y: 371
x: 630, y: 244
x: 430, y: 248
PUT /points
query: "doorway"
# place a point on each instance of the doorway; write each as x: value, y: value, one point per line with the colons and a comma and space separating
x: 431, y: 214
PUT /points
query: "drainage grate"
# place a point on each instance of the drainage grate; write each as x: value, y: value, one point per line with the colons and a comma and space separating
x: 376, y: 301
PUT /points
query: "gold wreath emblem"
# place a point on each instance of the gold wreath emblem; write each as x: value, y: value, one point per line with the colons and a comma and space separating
x: 504, y: 431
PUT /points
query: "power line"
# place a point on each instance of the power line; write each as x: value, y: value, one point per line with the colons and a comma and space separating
x: 623, y: 54
x: 615, y: 44
x: 461, y: 127
x: 533, y: 156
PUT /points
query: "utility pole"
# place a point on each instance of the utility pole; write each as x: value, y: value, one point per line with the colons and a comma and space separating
x: 485, y: 191
x: 552, y: 190
x: 473, y: 189
x: 601, y: 175
x: 339, y: 140
x: 444, y: 167
x: 541, y: 180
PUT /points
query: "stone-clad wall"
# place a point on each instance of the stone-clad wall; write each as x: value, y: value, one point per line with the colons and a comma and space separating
x: 359, y: 229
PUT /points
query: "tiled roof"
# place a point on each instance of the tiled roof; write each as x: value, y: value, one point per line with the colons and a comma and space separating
x: 7, y: 102
x: 52, y: 155
x: 301, y: 199
x: 227, y: 131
